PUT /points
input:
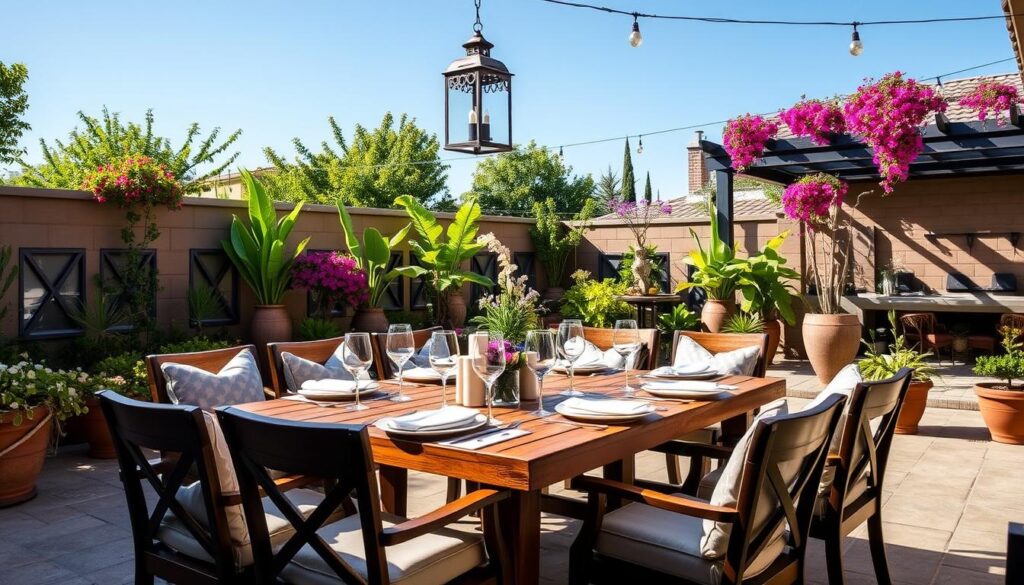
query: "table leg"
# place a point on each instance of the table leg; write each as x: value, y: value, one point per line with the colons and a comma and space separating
x: 394, y: 486
x: 520, y: 518
x: 622, y: 471
x: 733, y: 428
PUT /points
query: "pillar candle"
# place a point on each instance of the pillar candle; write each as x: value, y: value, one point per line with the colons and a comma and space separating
x: 527, y: 379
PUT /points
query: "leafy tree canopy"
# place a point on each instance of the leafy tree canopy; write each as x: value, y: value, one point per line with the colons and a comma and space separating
x: 377, y: 167
x: 13, y: 103
x: 510, y: 183
x: 106, y: 139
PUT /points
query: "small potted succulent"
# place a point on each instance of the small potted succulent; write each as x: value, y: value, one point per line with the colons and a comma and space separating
x: 1002, y: 404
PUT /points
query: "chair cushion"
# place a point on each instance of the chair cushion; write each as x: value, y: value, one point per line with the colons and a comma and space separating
x: 298, y: 370
x: 738, y: 362
x: 437, y: 557
x: 844, y: 383
x: 614, y: 359
x: 669, y: 543
x: 237, y: 382
x: 715, y: 538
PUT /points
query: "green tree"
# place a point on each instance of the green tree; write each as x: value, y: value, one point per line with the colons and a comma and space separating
x: 609, y: 188
x: 648, y: 194
x: 628, y: 181
x: 105, y: 140
x: 13, y: 103
x: 510, y: 183
x: 378, y: 166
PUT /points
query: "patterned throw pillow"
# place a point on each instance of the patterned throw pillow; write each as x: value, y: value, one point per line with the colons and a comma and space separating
x: 738, y: 362
x: 237, y: 382
x: 298, y: 370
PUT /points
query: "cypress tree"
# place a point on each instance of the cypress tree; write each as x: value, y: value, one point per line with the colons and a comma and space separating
x: 628, y: 181
x: 647, y: 188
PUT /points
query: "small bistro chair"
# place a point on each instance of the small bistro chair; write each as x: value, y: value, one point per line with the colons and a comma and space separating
x: 386, y: 369
x: 211, y: 361
x: 657, y: 538
x: 193, y: 534
x: 369, y: 546
x: 924, y: 329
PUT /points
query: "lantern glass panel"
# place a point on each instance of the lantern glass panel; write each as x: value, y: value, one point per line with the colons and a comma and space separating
x: 460, y: 104
x: 495, y: 110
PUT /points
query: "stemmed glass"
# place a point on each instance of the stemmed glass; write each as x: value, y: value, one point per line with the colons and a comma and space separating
x: 356, y: 356
x: 571, y: 345
x: 444, y: 350
x: 540, y: 358
x: 489, y: 363
x: 400, y: 348
x: 626, y: 342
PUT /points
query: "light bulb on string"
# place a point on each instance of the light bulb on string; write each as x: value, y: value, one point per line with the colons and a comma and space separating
x: 640, y: 146
x: 561, y: 154
x: 635, y: 38
x: 856, y: 47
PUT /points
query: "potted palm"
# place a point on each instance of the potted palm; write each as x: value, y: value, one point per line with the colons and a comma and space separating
x: 372, y: 256
x: 1002, y: 405
x: 881, y: 365
x: 441, y: 254
x: 258, y: 251
x: 717, y: 273
x: 764, y: 284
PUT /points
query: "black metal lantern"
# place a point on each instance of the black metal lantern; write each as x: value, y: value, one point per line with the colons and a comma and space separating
x: 477, y: 99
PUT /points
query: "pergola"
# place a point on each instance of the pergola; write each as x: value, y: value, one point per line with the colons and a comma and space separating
x: 950, y: 149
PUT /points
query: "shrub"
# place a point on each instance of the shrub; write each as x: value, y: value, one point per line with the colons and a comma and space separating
x: 313, y: 329
x: 25, y: 385
x: 594, y: 302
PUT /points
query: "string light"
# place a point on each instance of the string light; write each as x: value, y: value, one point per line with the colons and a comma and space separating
x: 640, y: 146
x: 856, y: 47
x: 635, y: 38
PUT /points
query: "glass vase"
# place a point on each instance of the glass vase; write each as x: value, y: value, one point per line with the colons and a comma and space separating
x: 506, y: 389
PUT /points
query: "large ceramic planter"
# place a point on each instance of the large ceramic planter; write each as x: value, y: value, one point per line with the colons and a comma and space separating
x: 774, y: 330
x: 831, y: 342
x: 457, y: 309
x: 370, y: 320
x: 22, y: 453
x: 1003, y: 411
x: 97, y: 433
x: 715, y: 313
x: 913, y: 407
x: 270, y: 323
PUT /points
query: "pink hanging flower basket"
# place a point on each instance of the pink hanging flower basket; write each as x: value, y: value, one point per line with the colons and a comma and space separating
x: 813, y: 198
x: 745, y: 138
x: 818, y: 120
x: 990, y: 98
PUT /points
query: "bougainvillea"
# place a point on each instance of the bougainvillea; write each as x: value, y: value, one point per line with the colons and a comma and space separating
x: 888, y: 114
x: 991, y: 98
x: 812, y: 199
x: 815, y: 119
x: 134, y: 180
x: 745, y: 138
x: 332, y: 278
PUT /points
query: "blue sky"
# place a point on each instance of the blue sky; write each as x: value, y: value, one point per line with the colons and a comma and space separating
x: 277, y: 69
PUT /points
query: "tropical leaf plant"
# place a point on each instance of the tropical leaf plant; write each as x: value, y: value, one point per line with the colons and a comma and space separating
x: 258, y: 249
x: 743, y: 323
x: 372, y: 254
x: 763, y: 280
x: 717, y: 268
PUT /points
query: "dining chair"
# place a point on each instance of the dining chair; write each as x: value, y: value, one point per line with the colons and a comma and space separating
x: 1014, y: 553
x: 195, y: 532
x: 650, y: 340
x: 318, y: 351
x: 925, y: 331
x: 386, y: 369
x: 210, y: 361
x: 755, y: 532
x: 369, y: 546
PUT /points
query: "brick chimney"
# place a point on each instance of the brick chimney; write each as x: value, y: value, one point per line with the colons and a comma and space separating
x: 697, y: 166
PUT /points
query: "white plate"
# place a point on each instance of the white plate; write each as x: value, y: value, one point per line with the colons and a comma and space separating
x: 600, y: 418
x: 384, y: 424
x: 424, y: 375
x: 698, y: 376
x: 692, y: 390
x: 365, y: 387
x: 587, y: 369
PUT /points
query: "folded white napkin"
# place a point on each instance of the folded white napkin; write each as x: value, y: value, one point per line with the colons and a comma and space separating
x: 423, y: 374
x: 606, y: 406
x: 687, y: 385
x: 332, y: 385
x: 452, y: 417
x: 684, y: 370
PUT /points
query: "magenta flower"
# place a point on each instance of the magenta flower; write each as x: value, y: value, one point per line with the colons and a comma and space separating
x: 745, y: 138
x: 812, y: 199
x: 332, y: 277
x: 815, y: 119
x: 991, y: 98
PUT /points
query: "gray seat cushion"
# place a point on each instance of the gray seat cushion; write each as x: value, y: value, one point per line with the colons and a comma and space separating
x: 237, y: 382
x: 433, y: 558
x: 669, y: 543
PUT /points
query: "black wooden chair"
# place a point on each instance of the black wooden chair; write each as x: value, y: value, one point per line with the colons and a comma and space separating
x: 658, y: 537
x: 369, y: 546
x: 196, y: 532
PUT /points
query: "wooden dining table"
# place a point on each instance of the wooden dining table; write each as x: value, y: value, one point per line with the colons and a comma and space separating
x: 553, y: 451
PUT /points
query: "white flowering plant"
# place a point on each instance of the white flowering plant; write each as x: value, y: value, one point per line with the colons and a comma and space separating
x: 25, y: 385
x: 515, y: 308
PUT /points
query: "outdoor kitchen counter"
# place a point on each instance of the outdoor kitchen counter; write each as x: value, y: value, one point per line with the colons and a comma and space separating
x: 977, y: 302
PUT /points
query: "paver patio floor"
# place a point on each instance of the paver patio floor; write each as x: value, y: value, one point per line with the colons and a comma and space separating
x: 950, y: 493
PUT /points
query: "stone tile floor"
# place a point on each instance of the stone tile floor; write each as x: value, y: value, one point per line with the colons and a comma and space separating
x: 950, y: 493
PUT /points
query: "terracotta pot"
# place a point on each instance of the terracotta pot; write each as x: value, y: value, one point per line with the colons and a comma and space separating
x: 715, y: 313
x: 553, y: 293
x: 774, y: 330
x: 457, y: 309
x: 913, y: 407
x: 831, y: 342
x: 1003, y: 411
x: 97, y: 433
x: 20, y: 467
x: 270, y: 323
x: 370, y: 320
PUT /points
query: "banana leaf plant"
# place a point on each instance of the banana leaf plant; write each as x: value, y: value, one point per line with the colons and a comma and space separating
x: 372, y: 254
x: 257, y: 250
x: 717, y: 268
x: 764, y: 283
x: 441, y: 253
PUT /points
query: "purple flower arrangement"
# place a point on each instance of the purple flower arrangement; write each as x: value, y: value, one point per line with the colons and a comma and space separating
x: 812, y: 199
x: 991, y: 97
x: 513, y: 352
x: 745, y: 138
x: 332, y: 278
x: 815, y: 119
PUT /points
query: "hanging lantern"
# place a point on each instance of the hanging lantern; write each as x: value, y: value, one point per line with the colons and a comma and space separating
x: 477, y: 99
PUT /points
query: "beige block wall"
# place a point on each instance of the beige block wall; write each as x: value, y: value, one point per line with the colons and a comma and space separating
x: 46, y: 218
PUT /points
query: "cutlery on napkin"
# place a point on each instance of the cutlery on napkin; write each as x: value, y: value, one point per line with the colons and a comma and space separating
x: 689, y: 386
x: 607, y: 406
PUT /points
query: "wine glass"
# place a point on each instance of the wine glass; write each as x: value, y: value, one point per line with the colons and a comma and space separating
x: 400, y: 348
x: 540, y: 358
x: 571, y: 345
x: 444, y: 350
x: 356, y: 356
x: 626, y: 342
x: 489, y: 363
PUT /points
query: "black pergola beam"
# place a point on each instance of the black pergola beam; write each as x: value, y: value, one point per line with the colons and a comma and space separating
x: 724, y: 206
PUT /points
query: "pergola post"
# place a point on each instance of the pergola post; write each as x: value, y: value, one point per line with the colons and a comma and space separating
x: 723, y: 205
